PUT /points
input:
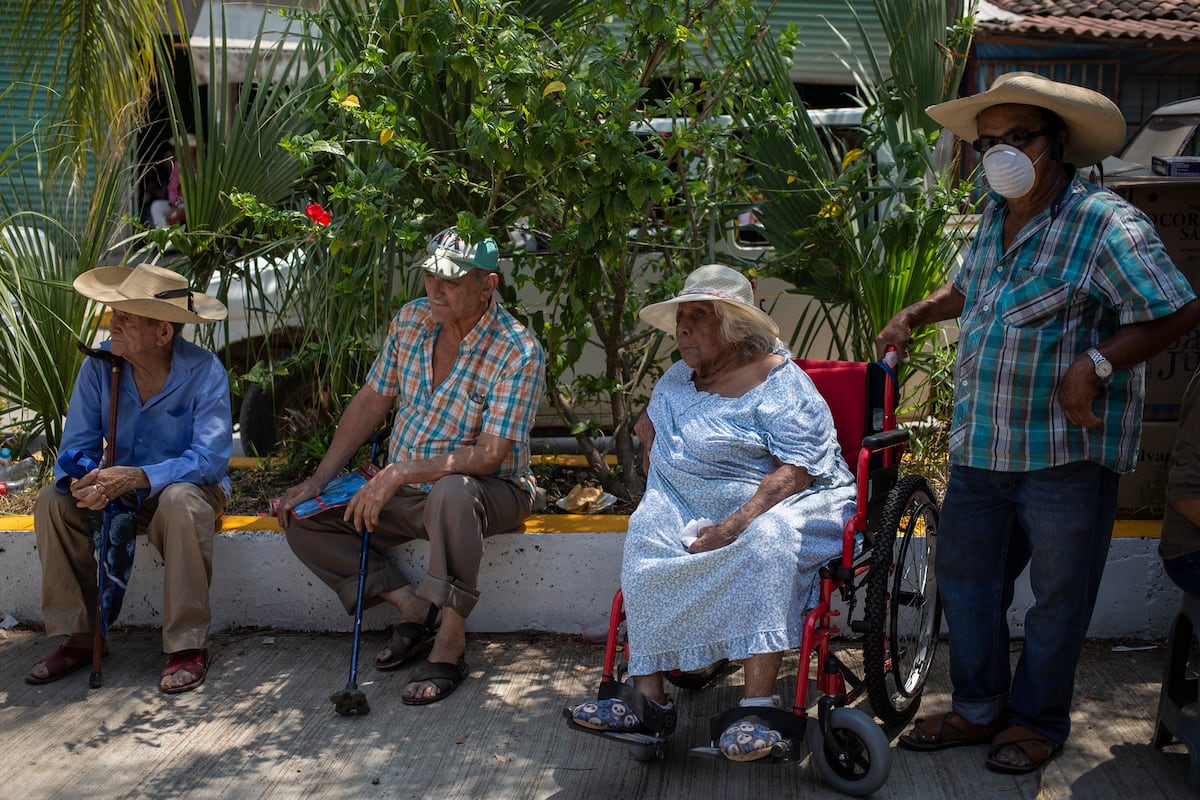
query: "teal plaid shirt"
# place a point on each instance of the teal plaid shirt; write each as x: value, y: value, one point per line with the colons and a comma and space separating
x: 495, y: 387
x: 1087, y: 265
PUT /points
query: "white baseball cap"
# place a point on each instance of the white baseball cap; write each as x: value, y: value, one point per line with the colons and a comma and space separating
x: 450, y: 256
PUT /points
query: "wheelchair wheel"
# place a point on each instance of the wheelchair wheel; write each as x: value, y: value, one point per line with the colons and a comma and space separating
x: 697, y: 679
x: 856, y: 760
x: 903, y: 612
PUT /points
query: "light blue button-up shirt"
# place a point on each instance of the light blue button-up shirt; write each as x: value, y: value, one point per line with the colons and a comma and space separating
x: 183, y: 434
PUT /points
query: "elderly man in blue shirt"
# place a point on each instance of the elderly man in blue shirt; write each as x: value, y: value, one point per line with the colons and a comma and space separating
x: 171, y: 462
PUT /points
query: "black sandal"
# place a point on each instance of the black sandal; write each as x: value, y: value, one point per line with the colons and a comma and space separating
x: 445, y: 676
x: 418, y: 635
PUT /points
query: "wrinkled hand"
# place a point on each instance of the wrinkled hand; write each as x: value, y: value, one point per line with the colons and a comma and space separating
x: 716, y: 536
x: 1080, y: 386
x: 898, y: 334
x: 294, y: 497
x: 95, y: 489
x: 364, y: 508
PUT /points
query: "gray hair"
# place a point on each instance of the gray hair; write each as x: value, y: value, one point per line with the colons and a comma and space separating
x: 749, y: 332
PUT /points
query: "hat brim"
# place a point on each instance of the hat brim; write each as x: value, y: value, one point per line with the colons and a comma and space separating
x: 1097, y: 126
x: 445, y: 267
x: 662, y: 315
x: 102, y: 285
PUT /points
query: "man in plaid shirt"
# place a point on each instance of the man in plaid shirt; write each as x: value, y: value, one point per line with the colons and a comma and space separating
x: 465, y: 379
x: 1064, y: 293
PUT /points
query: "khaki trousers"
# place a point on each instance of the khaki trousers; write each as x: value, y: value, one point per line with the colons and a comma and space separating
x: 180, y: 521
x: 455, y: 517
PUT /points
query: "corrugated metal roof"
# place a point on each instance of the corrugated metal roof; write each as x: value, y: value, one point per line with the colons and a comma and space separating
x: 823, y: 25
x: 1167, y: 21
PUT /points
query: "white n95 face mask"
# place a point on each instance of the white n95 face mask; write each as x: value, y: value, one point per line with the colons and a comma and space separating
x: 1009, y: 172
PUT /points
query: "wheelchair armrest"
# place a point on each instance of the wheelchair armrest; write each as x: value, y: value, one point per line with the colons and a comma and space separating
x: 885, y: 439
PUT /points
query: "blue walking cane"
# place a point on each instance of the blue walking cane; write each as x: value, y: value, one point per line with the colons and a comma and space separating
x: 101, y: 622
x: 351, y: 701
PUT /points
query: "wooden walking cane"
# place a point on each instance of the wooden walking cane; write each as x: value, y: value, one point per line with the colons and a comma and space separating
x: 110, y: 455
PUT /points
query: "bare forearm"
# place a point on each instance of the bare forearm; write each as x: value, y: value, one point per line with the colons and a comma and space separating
x: 1133, y: 344
x: 365, y: 413
x: 945, y: 303
x: 785, y: 481
x: 781, y: 483
x: 482, y: 459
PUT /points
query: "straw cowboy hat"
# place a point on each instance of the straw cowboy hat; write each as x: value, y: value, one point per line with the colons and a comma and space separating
x: 149, y: 291
x: 715, y: 283
x: 1096, y: 124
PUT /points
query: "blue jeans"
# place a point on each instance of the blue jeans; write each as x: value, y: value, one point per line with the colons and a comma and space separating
x: 1057, y: 520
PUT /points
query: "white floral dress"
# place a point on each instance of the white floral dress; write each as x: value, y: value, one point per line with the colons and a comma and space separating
x: 710, y: 453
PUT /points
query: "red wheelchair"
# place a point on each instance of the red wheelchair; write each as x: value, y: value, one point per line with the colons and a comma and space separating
x: 887, y: 590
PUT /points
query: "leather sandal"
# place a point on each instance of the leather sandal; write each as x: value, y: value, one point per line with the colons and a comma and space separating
x: 1028, y: 750
x: 408, y: 639
x: 949, y: 730
x: 193, y: 662
x: 61, y: 663
x: 444, y: 676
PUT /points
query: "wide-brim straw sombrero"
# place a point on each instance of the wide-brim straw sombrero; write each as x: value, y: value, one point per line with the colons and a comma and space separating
x: 149, y: 291
x: 714, y: 283
x: 1096, y: 124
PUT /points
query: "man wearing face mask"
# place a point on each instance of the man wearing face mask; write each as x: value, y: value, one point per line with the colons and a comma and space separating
x: 1064, y: 293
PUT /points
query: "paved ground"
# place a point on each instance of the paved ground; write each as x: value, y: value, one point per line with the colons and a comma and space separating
x: 262, y: 728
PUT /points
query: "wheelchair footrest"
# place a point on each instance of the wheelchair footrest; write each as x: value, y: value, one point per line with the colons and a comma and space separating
x: 782, y: 751
x: 627, y: 737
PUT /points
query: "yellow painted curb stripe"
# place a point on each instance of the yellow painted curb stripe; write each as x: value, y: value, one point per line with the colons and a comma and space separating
x: 566, y: 523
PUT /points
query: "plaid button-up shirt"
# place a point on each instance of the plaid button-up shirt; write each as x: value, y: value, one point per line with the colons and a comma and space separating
x: 494, y: 387
x: 1087, y: 265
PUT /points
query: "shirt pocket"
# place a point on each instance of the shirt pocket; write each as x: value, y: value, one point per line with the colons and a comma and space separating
x: 173, y: 433
x: 1034, y: 302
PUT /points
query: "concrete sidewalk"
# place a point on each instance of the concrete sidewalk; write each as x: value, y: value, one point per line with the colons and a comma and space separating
x: 262, y: 727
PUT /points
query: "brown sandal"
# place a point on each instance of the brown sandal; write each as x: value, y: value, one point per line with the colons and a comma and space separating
x: 1031, y: 749
x: 61, y: 663
x: 948, y: 730
x: 193, y: 662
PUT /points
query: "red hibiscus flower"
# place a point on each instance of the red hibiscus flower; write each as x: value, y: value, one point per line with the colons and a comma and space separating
x: 317, y: 214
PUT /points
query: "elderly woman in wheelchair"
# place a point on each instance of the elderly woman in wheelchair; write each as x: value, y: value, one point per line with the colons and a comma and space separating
x: 742, y: 456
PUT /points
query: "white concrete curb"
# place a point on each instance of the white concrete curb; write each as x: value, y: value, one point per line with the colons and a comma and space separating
x: 561, y: 582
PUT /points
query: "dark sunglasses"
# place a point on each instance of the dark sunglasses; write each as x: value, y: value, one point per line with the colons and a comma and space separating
x: 1018, y: 139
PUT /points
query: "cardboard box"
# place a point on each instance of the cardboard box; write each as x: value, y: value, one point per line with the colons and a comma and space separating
x: 1175, y: 166
x: 1174, y: 206
x: 1142, y: 494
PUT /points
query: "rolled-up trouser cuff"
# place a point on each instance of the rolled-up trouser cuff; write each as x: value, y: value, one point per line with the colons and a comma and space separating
x: 448, y: 593
x: 385, y: 579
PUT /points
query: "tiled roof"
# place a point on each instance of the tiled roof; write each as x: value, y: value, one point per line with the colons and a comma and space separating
x: 1175, y: 21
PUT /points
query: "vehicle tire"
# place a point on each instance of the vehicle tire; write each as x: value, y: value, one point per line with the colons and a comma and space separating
x: 262, y: 418
x: 868, y: 758
x: 902, y: 609
x: 695, y: 680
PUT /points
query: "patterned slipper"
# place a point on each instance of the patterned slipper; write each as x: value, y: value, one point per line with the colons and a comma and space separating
x: 613, y: 714
x: 748, y: 741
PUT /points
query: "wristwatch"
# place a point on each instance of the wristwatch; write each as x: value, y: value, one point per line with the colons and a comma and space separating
x: 1103, y: 366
